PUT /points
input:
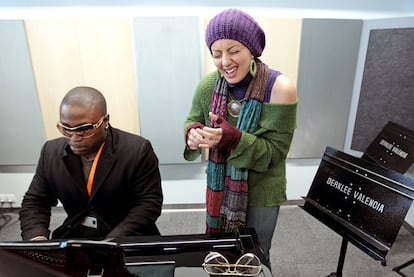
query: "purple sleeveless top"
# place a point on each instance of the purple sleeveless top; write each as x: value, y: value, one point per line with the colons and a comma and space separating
x: 239, y: 89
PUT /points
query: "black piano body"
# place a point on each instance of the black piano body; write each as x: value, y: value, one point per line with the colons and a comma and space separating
x: 144, y: 256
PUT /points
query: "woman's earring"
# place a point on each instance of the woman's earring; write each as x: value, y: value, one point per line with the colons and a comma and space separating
x: 252, y: 67
x: 106, y: 127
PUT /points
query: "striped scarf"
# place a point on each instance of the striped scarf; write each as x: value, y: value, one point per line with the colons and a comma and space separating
x: 227, y: 186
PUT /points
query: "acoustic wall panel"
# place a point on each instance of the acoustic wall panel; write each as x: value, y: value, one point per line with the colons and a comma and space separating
x: 97, y: 52
x: 387, y: 88
x: 22, y: 130
x: 327, y: 62
x: 168, y: 68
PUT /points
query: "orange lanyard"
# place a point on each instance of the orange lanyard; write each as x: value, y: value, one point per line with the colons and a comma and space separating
x: 93, y: 168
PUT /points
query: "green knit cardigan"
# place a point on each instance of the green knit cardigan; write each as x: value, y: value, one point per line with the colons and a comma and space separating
x: 264, y: 152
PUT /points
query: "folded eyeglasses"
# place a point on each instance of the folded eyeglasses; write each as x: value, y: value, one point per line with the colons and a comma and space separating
x: 247, y: 265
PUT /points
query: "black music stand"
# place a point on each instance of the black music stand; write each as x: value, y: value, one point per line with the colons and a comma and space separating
x: 393, y: 148
x: 364, y: 203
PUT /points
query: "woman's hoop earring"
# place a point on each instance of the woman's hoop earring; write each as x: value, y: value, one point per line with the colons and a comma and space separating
x: 252, y: 67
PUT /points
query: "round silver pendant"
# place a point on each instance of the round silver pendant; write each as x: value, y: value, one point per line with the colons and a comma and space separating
x: 233, y: 108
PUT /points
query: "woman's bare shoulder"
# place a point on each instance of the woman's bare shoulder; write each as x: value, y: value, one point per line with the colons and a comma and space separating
x: 283, y: 91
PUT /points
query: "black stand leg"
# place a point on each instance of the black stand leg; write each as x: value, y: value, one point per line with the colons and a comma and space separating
x: 341, y: 260
x: 404, y: 265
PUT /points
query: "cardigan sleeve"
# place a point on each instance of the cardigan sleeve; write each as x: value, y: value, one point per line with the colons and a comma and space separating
x: 199, y: 109
x: 270, y: 142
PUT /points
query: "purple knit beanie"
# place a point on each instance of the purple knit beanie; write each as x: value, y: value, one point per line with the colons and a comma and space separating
x: 237, y: 25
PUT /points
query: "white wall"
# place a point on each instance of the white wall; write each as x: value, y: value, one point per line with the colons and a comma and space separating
x: 300, y: 174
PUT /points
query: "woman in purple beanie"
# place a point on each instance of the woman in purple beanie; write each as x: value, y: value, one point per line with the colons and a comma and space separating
x: 245, y: 115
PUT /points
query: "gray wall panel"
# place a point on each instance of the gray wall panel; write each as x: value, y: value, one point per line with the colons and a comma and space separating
x: 328, y: 57
x: 387, y: 89
x: 168, y: 68
x: 22, y: 131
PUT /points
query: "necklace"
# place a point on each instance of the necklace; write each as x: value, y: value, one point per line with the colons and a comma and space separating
x: 233, y: 106
x: 237, y: 94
